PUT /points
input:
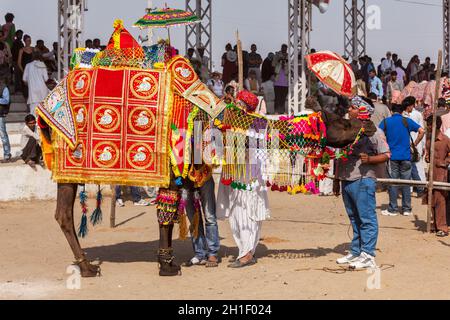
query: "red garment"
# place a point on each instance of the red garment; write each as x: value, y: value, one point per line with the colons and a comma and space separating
x: 230, y: 70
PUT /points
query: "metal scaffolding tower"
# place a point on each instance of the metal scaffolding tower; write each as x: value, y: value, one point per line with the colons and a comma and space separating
x: 70, y: 31
x: 354, y: 28
x: 446, y: 26
x: 201, y: 33
x: 300, y: 12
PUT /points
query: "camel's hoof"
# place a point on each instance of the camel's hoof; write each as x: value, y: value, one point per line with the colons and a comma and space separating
x: 89, y: 270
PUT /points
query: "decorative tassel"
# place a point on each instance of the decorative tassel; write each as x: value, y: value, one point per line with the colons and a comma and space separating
x: 182, y: 221
x: 183, y: 227
x: 97, y: 215
x: 83, y: 229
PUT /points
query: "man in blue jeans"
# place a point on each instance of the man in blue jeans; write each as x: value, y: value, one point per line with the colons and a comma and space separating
x: 206, y: 245
x: 358, y: 175
x: 4, y: 109
x: 398, y: 133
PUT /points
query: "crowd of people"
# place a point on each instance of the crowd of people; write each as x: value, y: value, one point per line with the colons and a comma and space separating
x: 397, y: 133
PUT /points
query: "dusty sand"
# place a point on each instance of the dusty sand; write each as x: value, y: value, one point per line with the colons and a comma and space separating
x: 306, y: 235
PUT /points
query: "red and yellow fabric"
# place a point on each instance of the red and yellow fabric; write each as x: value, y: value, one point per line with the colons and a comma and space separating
x: 180, y: 134
x: 189, y: 86
x: 122, y: 118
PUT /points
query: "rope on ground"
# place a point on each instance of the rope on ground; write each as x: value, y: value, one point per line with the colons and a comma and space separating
x: 342, y: 270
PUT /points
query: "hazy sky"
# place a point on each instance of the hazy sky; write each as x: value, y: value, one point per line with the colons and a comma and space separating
x: 406, y: 28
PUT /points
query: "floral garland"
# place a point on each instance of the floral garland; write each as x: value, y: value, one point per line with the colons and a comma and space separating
x: 348, y: 151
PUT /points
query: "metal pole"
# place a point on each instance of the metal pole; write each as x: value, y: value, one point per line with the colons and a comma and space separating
x: 112, y: 216
x: 433, y: 138
x: 150, y: 30
x: 446, y: 33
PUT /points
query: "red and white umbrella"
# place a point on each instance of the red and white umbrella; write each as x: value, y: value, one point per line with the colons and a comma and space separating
x: 334, y: 71
x: 322, y: 5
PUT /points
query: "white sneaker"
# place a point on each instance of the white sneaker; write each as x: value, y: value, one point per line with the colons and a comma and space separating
x: 142, y: 203
x: 119, y: 202
x: 347, y: 259
x: 365, y: 261
x: 407, y: 213
x: 388, y: 213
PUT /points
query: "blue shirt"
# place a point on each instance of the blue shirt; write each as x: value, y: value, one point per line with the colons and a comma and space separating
x: 4, y: 99
x: 398, y: 136
x: 376, y: 86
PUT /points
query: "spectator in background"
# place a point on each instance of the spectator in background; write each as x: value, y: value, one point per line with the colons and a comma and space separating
x: 269, y: 95
x: 5, y: 62
x: 204, y: 61
x: 401, y: 72
x: 30, y: 142
x: 418, y: 170
x: 229, y: 65
x: 17, y: 46
x: 196, y: 64
x: 135, y: 194
x: 9, y: 30
x: 393, y: 85
x: 380, y: 68
x: 397, y: 130
x: 215, y: 84
x: 381, y: 111
x: 25, y: 57
x: 413, y: 68
x: 4, y: 110
x: 388, y: 64
x: 360, y: 84
x: 354, y: 66
x: 268, y: 70
x: 375, y: 84
x: 40, y: 46
x: 97, y: 44
x: 88, y: 44
x: 445, y: 119
x: 395, y: 58
x: 281, y: 84
x: 254, y: 64
x: 36, y: 76
x: 440, y: 174
x: 251, y: 83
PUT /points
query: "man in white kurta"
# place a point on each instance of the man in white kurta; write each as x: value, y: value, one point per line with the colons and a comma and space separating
x: 36, y: 76
x: 246, y: 210
x: 418, y: 172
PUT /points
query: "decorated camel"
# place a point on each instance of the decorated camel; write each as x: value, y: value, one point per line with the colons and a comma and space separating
x: 125, y: 116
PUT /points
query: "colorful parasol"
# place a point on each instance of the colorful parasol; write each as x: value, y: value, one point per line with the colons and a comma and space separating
x: 333, y: 71
x: 166, y: 17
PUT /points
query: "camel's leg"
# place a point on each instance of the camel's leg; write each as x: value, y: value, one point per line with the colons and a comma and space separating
x: 165, y: 254
x: 64, y: 215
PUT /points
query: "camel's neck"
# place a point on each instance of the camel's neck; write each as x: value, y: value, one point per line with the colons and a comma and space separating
x: 340, y: 132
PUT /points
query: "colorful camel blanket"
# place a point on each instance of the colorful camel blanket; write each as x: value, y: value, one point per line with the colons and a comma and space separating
x: 121, y: 119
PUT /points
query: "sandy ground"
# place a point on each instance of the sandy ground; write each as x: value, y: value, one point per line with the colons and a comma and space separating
x: 303, y: 239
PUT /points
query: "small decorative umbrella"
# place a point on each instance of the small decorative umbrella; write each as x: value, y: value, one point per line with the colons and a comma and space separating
x: 334, y: 71
x: 166, y: 17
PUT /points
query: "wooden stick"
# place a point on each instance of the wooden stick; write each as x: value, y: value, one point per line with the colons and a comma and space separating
x: 240, y: 62
x: 433, y: 138
x: 112, y: 217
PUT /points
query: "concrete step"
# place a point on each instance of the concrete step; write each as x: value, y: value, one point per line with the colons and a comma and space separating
x: 18, y: 107
x: 18, y: 97
x: 16, y: 117
x: 20, y: 182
